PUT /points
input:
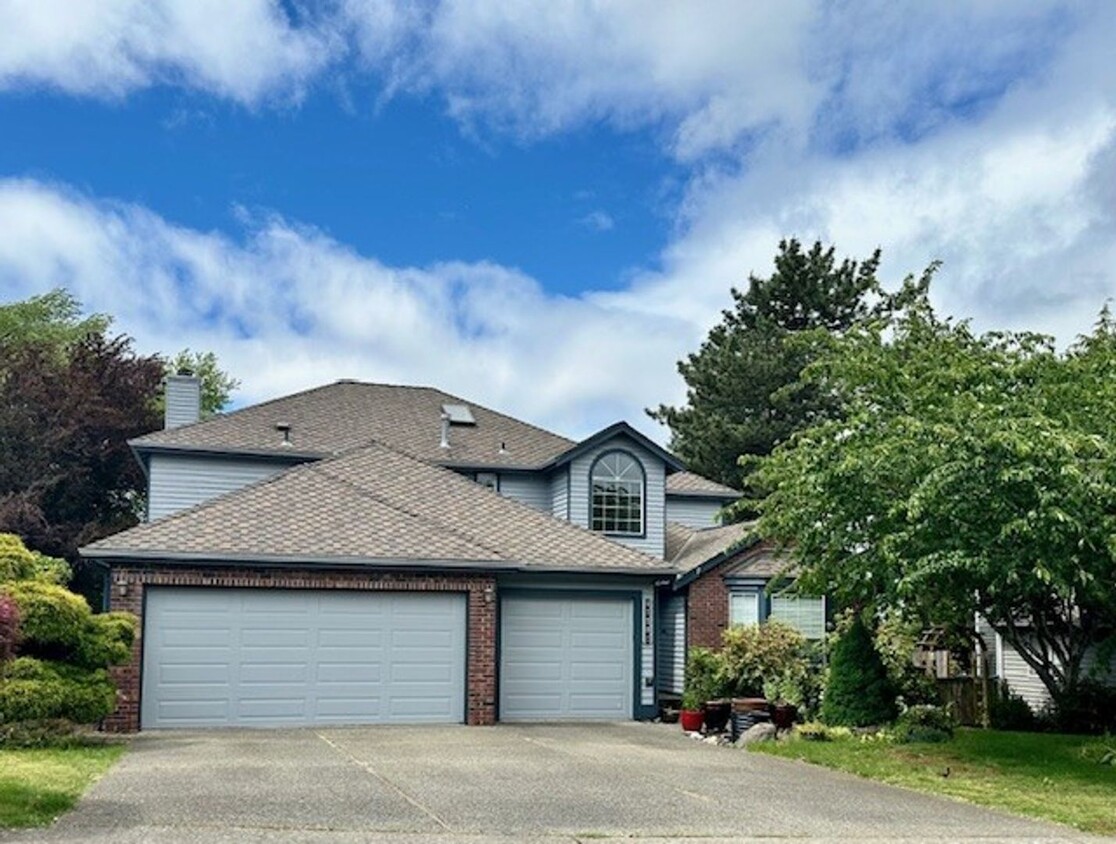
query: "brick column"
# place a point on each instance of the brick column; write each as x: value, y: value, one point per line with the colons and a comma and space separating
x: 707, y: 610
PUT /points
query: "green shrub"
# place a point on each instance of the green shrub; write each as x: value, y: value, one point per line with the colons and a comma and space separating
x: 1008, y: 711
x: 55, y: 733
x: 17, y: 562
x: 35, y: 690
x: 812, y: 731
x: 858, y: 691
x: 924, y: 723
x: 755, y: 654
x: 702, y: 682
x: 1089, y: 708
x: 58, y: 625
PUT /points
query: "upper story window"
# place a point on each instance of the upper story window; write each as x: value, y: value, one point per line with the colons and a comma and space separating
x: 617, y: 483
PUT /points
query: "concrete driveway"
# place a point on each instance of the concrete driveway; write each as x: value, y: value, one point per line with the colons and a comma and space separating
x: 510, y: 783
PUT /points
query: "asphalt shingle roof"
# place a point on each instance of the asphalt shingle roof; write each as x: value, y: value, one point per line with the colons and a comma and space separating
x: 374, y: 503
x: 337, y: 417
x: 691, y: 483
x: 692, y: 546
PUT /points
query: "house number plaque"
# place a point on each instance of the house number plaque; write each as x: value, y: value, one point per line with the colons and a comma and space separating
x: 647, y: 621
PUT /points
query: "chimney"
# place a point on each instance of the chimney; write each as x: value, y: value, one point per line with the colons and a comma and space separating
x: 182, y: 401
x: 445, y: 443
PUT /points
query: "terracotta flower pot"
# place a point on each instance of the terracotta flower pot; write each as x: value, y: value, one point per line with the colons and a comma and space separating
x: 691, y: 720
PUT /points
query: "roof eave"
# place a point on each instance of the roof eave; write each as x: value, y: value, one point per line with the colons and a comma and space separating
x: 279, y: 455
x: 111, y: 555
x: 700, y: 569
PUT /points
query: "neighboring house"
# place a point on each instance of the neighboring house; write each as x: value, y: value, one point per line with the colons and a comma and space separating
x: 365, y: 553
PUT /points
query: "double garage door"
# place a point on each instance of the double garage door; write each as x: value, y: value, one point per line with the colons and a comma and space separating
x: 269, y: 658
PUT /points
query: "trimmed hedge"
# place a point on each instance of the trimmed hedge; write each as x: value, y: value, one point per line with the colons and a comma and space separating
x: 35, y: 690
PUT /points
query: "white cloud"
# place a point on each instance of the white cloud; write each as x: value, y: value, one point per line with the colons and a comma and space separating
x: 287, y: 307
x: 244, y: 51
x: 598, y: 221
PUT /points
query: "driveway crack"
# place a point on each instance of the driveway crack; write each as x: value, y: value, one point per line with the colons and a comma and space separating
x: 370, y: 770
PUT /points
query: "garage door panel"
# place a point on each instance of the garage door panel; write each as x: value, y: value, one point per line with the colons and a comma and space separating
x: 282, y: 658
x: 566, y: 658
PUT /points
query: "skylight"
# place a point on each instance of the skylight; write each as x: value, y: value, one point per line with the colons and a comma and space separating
x: 459, y: 414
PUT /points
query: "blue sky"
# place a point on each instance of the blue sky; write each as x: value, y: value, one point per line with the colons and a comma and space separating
x: 541, y: 207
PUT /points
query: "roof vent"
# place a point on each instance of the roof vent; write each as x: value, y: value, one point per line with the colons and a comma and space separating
x: 445, y: 443
x: 503, y: 449
x: 284, y: 429
x: 459, y: 414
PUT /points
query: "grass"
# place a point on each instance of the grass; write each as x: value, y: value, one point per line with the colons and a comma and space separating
x: 1050, y: 776
x: 38, y: 785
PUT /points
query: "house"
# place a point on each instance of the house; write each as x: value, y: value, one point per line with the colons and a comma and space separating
x: 369, y: 553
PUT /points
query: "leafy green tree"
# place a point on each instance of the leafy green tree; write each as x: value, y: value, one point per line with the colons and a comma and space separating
x: 968, y: 474
x: 217, y: 385
x: 858, y: 691
x: 744, y: 394
x: 53, y: 320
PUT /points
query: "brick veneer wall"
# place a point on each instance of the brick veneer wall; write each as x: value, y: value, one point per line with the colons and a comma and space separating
x: 481, y: 613
x: 707, y: 610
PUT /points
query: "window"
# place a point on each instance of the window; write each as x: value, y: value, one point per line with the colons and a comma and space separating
x: 617, y: 497
x: 488, y: 479
x: 743, y: 608
x: 806, y: 615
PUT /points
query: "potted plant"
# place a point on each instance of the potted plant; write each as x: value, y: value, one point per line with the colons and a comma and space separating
x: 692, y: 715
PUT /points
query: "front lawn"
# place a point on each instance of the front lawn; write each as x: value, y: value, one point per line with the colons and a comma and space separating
x: 38, y: 785
x: 1055, y: 777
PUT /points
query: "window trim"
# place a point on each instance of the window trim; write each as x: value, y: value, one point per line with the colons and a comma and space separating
x: 642, y: 534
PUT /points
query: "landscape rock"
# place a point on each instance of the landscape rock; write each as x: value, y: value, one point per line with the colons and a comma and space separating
x: 758, y: 733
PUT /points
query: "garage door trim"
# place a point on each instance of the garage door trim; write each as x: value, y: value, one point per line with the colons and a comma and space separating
x: 634, y: 597
x: 141, y: 663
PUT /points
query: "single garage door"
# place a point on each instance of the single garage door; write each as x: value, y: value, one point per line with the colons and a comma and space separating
x: 565, y: 658
x: 269, y: 658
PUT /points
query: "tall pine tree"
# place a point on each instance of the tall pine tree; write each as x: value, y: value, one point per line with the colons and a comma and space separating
x: 743, y: 391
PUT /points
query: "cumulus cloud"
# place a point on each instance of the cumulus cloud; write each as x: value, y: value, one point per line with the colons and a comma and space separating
x: 244, y: 51
x: 286, y: 307
x: 598, y: 221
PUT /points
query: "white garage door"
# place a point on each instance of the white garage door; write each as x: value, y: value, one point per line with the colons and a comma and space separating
x: 268, y: 658
x: 565, y: 658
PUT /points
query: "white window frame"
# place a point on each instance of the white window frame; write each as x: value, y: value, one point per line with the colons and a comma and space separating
x: 798, y: 602
x: 618, y: 481
x: 739, y: 610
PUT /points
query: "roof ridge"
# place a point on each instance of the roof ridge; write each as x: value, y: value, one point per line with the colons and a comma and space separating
x: 366, y: 493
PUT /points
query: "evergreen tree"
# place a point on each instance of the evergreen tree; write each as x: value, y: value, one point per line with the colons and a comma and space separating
x: 743, y: 390
x: 858, y: 692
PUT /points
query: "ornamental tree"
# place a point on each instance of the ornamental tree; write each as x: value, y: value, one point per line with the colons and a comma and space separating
x: 968, y: 474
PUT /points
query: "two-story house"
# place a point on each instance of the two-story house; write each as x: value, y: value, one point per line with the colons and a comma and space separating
x: 366, y: 553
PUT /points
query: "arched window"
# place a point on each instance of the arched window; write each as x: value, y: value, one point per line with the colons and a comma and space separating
x: 617, y: 494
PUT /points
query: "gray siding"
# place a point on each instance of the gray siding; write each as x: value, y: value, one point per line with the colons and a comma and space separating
x: 559, y: 495
x: 177, y: 482
x: 654, y: 541
x: 1023, y: 681
x: 693, y: 512
x: 182, y: 401
x: 672, y: 644
x: 531, y: 490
